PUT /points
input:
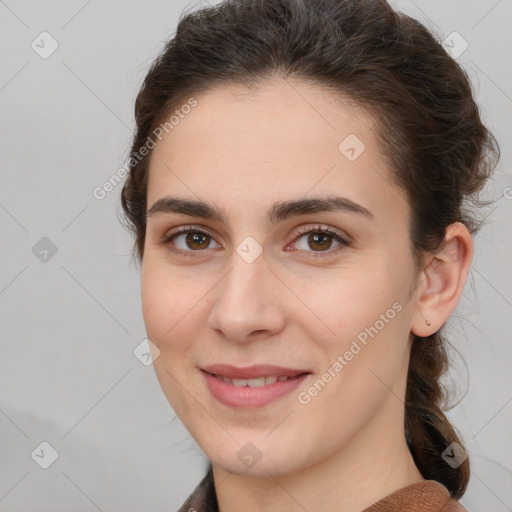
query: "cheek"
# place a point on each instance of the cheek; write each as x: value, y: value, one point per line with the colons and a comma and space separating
x: 156, y: 308
x: 343, y: 307
x: 164, y: 301
x: 367, y: 361
x: 167, y: 317
x: 365, y: 325
x: 174, y: 308
x: 372, y: 295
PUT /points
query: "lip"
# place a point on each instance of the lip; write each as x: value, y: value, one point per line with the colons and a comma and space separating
x: 245, y: 397
x: 251, y: 372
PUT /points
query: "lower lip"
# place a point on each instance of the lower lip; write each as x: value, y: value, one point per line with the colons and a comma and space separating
x: 247, y: 397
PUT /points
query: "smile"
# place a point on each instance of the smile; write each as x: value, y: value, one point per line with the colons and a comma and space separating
x: 251, y: 393
x: 253, y: 383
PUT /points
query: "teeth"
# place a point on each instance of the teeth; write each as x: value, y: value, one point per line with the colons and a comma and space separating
x: 253, y: 383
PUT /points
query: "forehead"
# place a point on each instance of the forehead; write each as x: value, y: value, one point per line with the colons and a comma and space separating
x: 284, y: 139
x: 276, y: 112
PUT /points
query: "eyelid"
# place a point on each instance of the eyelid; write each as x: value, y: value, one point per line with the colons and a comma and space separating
x: 324, y: 228
x: 184, y: 229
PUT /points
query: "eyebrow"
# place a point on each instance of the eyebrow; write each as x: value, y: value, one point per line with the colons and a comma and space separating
x: 278, y: 212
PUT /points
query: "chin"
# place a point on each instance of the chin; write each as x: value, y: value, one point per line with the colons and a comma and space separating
x: 253, y: 459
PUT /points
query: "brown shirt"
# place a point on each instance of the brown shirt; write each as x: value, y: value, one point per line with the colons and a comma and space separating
x: 424, y: 496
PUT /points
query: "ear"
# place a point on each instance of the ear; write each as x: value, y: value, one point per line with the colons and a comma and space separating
x: 442, y: 281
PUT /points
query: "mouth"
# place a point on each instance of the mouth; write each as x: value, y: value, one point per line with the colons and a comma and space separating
x: 252, y: 372
x: 255, y: 382
x: 251, y: 387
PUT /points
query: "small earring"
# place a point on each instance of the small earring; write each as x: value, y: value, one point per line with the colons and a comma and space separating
x: 428, y: 322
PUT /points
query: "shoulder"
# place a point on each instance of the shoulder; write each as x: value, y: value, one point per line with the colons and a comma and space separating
x: 203, y: 498
x: 453, y: 505
x: 423, y: 496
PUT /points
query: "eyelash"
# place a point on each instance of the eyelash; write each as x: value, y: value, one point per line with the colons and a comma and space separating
x: 311, y: 229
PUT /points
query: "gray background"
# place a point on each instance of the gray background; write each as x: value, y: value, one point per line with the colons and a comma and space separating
x: 69, y: 325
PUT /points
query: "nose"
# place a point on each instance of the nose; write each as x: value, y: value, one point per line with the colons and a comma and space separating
x: 247, y: 302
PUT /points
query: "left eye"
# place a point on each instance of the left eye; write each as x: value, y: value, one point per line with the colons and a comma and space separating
x: 321, y: 238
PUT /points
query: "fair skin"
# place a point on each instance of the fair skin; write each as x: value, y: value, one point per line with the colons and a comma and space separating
x: 345, y: 449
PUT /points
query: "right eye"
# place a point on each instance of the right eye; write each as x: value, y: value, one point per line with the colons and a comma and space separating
x: 187, y: 240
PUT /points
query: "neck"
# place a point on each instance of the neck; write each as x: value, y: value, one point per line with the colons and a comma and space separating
x: 371, y: 466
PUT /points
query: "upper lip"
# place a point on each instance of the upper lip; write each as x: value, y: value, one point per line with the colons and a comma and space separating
x: 252, y: 372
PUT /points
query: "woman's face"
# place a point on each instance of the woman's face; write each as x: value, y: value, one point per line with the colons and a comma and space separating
x: 249, y: 285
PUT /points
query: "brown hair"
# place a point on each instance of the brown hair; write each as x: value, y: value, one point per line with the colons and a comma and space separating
x: 429, y: 129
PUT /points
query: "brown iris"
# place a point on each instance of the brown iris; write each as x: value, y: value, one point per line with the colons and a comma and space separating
x: 320, y: 238
x: 194, y: 238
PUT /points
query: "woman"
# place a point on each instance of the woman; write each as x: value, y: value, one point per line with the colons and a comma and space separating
x: 300, y: 187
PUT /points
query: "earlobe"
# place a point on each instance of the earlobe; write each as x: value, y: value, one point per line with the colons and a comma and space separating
x: 442, y: 281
